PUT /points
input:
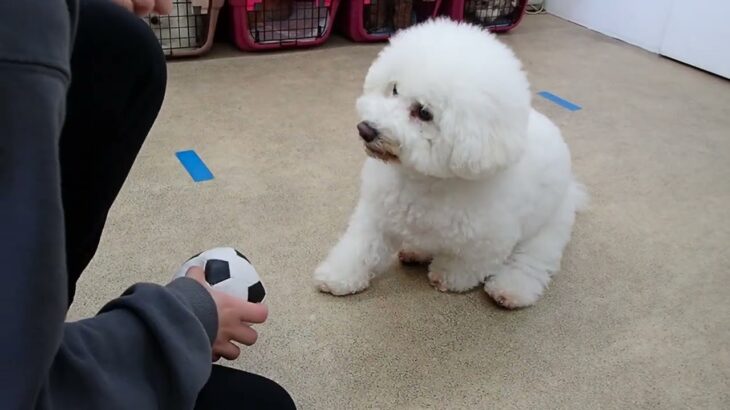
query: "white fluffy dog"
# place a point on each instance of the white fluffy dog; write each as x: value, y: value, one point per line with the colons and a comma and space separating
x: 462, y: 173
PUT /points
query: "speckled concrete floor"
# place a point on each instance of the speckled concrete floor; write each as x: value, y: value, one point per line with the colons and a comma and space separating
x: 638, y: 318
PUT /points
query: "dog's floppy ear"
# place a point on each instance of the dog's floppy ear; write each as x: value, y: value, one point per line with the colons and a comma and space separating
x: 484, y: 143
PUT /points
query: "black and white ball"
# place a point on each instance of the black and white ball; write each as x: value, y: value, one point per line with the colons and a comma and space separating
x: 228, y: 270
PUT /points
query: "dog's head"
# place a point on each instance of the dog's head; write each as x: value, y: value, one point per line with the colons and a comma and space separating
x: 445, y: 100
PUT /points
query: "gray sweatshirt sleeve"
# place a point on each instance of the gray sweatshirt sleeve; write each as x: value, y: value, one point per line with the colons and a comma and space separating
x: 150, y: 348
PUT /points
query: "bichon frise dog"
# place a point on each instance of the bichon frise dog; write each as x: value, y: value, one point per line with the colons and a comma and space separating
x: 462, y: 173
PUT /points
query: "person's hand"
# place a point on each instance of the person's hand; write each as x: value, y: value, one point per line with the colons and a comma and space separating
x: 235, y: 317
x: 145, y: 7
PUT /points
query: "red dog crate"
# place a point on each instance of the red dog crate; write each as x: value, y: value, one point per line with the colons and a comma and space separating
x: 377, y: 20
x: 189, y: 28
x: 496, y: 15
x: 274, y: 24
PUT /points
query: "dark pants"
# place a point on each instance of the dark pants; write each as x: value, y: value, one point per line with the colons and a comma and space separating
x: 118, y: 84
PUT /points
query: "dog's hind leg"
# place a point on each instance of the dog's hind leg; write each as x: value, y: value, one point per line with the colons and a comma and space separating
x: 363, y: 252
x: 525, y: 275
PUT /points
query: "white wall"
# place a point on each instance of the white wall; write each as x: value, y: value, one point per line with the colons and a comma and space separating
x: 699, y: 35
x: 696, y: 32
x: 638, y: 22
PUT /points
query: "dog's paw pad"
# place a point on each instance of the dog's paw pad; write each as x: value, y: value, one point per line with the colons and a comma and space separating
x: 322, y: 287
x: 332, y: 281
x: 413, y: 258
x: 514, y: 291
x: 436, y: 279
x: 506, y: 300
x: 341, y: 289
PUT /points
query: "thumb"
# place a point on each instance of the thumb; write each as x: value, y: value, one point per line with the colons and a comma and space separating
x: 197, y: 273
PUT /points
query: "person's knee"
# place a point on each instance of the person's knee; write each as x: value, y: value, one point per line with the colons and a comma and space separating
x: 116, y: 36
x: 151, y: 52
x: 282, y: 399
x: 149, y: 58
x: 143, y: 57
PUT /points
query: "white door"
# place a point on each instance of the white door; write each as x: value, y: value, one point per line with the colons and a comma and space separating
x: 698, y: 33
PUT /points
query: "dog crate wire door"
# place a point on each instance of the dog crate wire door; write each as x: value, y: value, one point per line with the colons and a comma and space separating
x: 286, y: 20
x: 497, y: 15
x: 189, y: 28
x: 269, y: 24
x: 384, y: 17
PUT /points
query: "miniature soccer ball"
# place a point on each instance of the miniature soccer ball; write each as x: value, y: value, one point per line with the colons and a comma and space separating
x: 228, y: 270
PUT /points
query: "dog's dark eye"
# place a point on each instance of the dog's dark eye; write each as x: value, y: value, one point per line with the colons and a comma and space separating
x: 424, y: 114
x: 395, y: 90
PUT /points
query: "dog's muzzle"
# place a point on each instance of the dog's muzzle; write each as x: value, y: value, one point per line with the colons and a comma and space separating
x: 375, y: 145
x: 367, y: 132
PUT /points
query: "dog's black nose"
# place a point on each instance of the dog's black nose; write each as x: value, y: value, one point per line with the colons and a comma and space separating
x: 367, y: 132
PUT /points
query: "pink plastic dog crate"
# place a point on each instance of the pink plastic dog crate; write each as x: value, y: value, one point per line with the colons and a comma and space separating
x: 496, y: 15
x: 275, y: 24
x: 189, y: 29
x: 377, y: 20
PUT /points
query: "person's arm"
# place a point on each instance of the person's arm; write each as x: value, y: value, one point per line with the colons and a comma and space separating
x: 151, y: 346
x: 34, y: 77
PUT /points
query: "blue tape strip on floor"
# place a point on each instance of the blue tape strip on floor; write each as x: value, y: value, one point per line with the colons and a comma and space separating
x: 194, y: 165
x: 561, y: 102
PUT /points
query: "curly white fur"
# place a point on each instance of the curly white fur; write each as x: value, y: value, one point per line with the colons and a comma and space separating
x: 484, y: 190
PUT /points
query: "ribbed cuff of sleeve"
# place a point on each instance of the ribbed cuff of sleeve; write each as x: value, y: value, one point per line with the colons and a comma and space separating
x: 200, y: 302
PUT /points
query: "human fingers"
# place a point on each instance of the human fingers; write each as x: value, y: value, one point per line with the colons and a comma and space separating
x: 226, y: 350
x: 127, y: 4
x: 243, y: 334
x: 143, y: 7
x: 163, y: 6
x: 252, y: 312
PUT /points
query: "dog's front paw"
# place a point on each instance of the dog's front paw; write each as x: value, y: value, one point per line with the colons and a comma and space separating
x: 452, y: 282
x: 340, y: 282
x: 514, y: 289
x: 436, y: 279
